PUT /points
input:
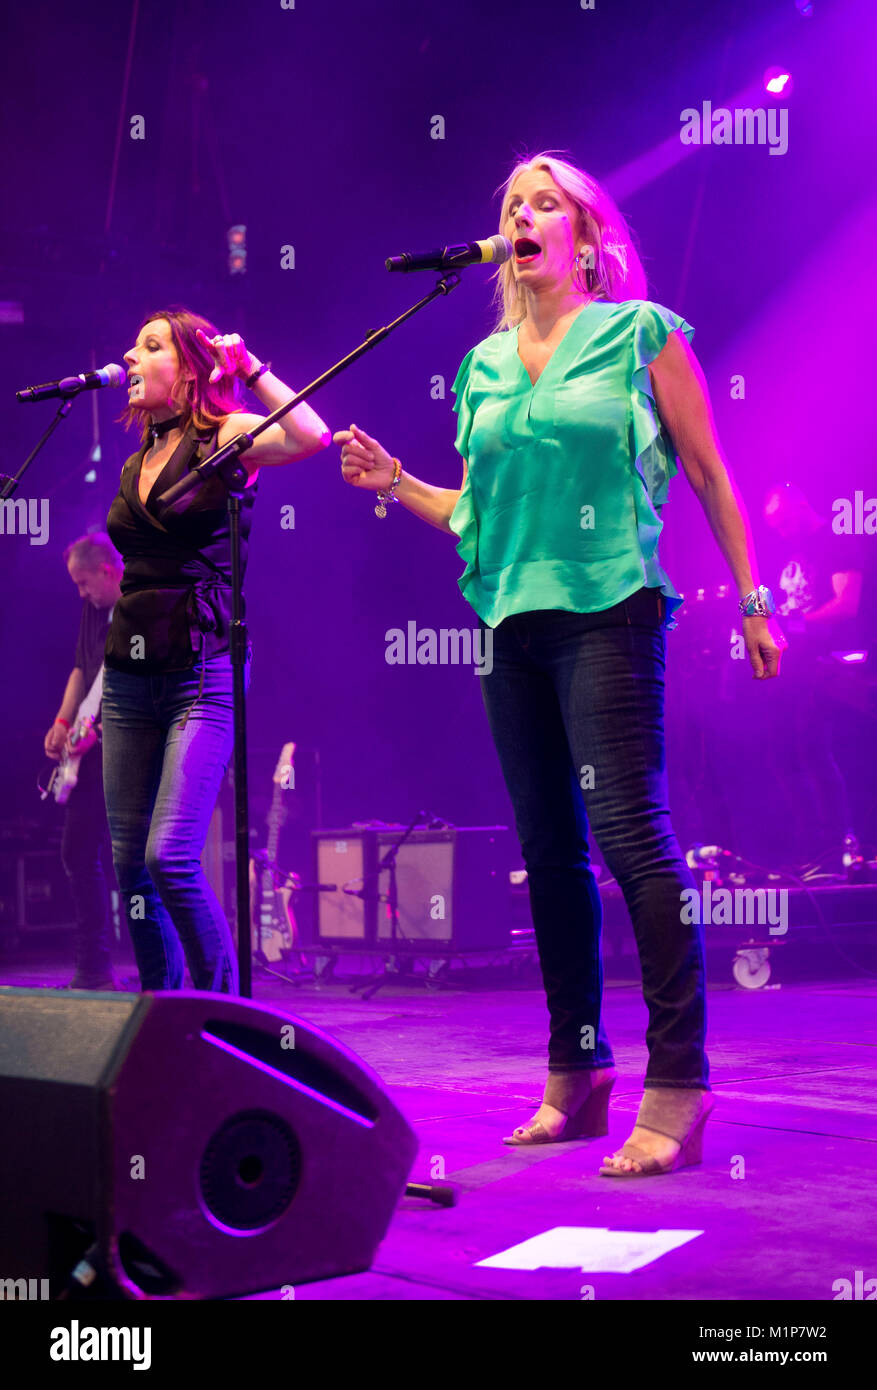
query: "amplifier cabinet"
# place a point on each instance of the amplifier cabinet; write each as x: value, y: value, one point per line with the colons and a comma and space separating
x: 34, y: 891
x: 452, y: 887
x: 344, y: 858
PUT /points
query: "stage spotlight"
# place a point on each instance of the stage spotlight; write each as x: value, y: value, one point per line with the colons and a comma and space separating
x: 237, y: 250
x: 778, y: 82
x: 804, y: 7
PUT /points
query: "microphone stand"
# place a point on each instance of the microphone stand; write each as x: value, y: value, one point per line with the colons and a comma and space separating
x: 371, y: 985
x: 226, y: 462
x: 9, y: 485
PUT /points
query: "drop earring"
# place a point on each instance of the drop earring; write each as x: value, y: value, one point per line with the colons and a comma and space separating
x: 584, y: 262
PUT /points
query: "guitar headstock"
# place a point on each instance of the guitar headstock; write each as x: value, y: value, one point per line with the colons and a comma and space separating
x: 283, y: 774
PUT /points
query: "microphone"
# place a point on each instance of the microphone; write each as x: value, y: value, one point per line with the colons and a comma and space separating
x: 495, y: 249
x: 110, y: 375
x: 363, y: 893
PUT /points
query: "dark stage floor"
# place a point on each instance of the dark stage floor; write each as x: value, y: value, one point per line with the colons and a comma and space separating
x: 794, y: 1072
x: 782, y: 1207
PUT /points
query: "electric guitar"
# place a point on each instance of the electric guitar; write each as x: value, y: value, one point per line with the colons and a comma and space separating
x: 273, y: 919
x: 82, y: 737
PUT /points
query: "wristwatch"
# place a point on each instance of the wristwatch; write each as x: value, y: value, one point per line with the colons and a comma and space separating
x: 758, y: 604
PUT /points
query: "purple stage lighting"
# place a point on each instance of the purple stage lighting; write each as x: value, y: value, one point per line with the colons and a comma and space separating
x: 778, y: 82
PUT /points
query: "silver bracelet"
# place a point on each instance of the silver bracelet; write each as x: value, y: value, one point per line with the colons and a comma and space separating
x: 758, y: 604
x: 390, y: 494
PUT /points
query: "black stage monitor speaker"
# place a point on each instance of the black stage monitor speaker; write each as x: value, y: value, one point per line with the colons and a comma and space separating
x: 201, y: 1145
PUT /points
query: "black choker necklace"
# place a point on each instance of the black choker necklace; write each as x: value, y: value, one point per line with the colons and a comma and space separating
x: 162, y: 427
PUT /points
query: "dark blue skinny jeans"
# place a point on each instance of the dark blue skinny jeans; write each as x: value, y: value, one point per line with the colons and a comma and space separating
x: 575, y: 703
x: 161, y: 780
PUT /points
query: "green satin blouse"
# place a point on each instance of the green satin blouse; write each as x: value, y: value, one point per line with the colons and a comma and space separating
x: 566, y: 479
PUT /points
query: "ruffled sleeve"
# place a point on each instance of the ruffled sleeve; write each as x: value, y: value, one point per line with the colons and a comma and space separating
x: 655, y: 459
x: 462, y: 408
x: 463, y: 521
x: 654, y: 455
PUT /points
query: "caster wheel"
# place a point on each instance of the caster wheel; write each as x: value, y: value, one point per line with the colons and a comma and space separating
x: 751, y: 968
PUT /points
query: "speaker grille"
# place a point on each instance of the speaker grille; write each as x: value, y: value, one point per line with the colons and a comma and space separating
x: 250, y: 1170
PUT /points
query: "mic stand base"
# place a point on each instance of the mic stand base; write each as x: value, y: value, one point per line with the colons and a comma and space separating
x: 374, y: 982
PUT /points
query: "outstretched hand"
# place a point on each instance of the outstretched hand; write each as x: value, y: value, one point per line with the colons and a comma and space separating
x: 364, y: 463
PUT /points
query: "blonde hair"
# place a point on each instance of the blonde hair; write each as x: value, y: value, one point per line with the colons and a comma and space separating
x: 617, y: 273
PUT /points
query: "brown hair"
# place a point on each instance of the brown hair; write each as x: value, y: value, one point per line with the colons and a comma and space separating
x: 203, y: 403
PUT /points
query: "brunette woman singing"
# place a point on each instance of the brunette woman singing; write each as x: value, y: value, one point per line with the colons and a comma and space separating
x: 167, y: 691
x: 569, y: 420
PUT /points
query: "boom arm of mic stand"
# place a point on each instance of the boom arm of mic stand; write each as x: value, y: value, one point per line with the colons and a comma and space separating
x: 235, y: 475
x: 9, y: 485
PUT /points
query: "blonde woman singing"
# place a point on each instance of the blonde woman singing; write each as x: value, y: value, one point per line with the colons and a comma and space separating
x: 570, y: 418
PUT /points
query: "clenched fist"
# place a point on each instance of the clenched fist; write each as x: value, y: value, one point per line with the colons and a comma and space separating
x: 364, y: 462
x: 229, y: 353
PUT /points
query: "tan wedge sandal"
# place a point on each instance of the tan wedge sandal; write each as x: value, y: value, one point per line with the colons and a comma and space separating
x: 679, y: 1114
x: 583, y: 1096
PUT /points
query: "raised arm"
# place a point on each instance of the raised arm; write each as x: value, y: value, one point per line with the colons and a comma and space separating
x: 366, y: 464
x: 298, y: 435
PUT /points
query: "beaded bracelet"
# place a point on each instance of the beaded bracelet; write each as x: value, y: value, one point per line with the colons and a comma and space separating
x: 389, y: 495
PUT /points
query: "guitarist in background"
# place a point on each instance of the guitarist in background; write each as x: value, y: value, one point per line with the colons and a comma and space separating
x: 819, y: 596
x: 95, y: 567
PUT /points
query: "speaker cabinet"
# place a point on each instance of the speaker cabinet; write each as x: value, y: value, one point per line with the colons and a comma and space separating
x: 344, y: 858
x: 34, y: 891
x: 207, y: 1146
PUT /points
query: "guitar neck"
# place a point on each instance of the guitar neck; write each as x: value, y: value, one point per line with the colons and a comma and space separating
x: 275, y: 816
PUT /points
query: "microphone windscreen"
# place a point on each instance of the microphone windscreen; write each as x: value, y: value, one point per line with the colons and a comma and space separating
x: 502, y: 249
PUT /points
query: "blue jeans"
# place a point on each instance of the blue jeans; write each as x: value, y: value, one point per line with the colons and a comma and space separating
x: 161, y: 780
x: 575, y: 703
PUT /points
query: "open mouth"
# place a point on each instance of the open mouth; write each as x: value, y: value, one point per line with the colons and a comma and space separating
x: 526, y: 250
x: 135, y: 384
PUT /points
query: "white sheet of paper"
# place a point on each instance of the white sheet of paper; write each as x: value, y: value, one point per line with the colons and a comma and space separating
x: 591, y: 1249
